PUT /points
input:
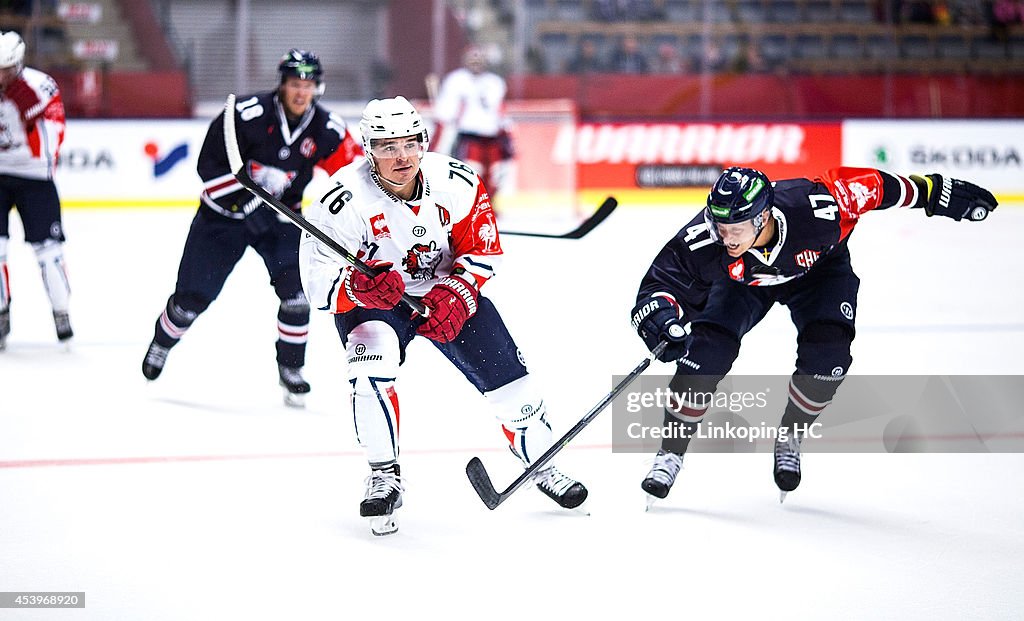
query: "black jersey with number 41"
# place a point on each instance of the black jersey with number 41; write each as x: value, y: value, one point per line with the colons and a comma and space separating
x: 813, y: 218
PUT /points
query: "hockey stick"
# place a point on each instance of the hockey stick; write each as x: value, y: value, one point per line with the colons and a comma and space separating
x: 238, y: 170
x: 588, y: 225
x: 481, y: 481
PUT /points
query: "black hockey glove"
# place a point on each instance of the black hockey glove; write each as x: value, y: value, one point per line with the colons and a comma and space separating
x: 657, y: 318
x: 954, y: 198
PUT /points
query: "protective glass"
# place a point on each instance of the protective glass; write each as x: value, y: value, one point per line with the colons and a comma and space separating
x: 393, y: 149
x: 738, y: 233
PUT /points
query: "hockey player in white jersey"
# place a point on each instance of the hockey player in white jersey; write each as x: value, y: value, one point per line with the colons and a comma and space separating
x: 425, y: 222
x: 31, y: 132
x: 470, y: 109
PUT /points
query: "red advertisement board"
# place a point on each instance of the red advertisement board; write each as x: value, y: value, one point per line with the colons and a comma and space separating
x: 673, y: 155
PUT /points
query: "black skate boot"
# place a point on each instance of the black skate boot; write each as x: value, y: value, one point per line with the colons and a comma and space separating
x: 63, y: 324
x: 663, y: 474
x: 5, y: 327
x: 787, y: 464
x: 153, y: 363
x: 383, y: 496
x: 295, y: 388
x: 566, y: 491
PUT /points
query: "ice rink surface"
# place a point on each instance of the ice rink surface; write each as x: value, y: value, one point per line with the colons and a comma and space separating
x: 200, y: 496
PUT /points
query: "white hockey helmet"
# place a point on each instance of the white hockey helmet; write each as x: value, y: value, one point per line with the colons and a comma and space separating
x: 391, y: 118
x: 12, y: 51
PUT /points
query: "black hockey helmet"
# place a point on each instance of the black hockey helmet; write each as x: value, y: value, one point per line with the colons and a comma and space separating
x: 740, y: 194
x: 303, y: 65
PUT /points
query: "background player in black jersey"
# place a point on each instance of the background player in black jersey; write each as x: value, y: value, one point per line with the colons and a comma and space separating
x: 282, y: 135
x: 754, y: 245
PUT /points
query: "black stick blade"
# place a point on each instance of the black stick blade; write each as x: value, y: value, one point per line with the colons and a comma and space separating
x: 599, y: 216
x: 605, y: 210
x: 481, y: 482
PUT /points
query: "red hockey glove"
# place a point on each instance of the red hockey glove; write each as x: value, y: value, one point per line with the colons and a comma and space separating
x: 451, y: 302
x: 382, y: 291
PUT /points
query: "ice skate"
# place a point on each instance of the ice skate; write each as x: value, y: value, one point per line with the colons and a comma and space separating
x: 787, y: 464
x: 295, y: 388
x: 383, y: 495
x: 566, y: 491
x: 663, y: 474
x: 63, y: 324
x: 153, y: 363
x: 5, y: 327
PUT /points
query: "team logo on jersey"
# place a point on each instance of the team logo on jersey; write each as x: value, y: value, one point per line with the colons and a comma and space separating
x: 488, y: 234
x: 806, y: 258
x: 271, y: 178
x: 379, y: 226
x: 443, y: 215
x: 862, y: 194
x: 162, y: 164
x: 308, y: 148
x: 421, y: 261
x: 736, y: 270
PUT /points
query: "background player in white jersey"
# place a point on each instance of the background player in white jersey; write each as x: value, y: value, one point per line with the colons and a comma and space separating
x: 470, y: 108
x: 425, y: 222
x: 283, y: 135
x: 31, y: 132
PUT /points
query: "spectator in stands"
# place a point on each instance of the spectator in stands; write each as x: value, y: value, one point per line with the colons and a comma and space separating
x: 712, y: 59
x: 1008, y: 12
x: 749, y: 59
x: 536, y: 63
x: 668, y: 60
x: 1003, y: 14
x: 627, y: 57
x: 586, y: 60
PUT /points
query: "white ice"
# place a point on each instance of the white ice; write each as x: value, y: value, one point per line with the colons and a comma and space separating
x: 200, y: 496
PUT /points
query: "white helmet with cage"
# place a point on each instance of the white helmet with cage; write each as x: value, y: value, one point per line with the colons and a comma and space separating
x: 391, y: 118
x: 12, y: 51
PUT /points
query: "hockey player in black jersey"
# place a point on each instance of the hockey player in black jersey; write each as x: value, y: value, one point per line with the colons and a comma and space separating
x: 283, y: 134
x: 757, y: 243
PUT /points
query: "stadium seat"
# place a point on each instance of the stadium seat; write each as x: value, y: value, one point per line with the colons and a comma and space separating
x: 784, y: 11
x: 846, y: 46
x: 916, y: 47
x: 855, y: 11
x: 953, y: 46
x: 819, y: 11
